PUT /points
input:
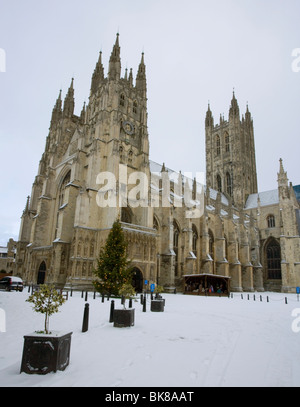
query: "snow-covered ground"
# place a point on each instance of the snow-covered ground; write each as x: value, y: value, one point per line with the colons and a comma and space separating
x: 196, y: 342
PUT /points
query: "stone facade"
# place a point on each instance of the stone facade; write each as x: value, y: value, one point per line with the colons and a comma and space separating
x: 96, y: 163
x: 7, y: 258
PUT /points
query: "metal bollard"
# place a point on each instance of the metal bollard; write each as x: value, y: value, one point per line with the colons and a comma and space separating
x: 86, y: 296
x: 130, y: 302
x: 112, y: 308
x: 144, y: 304
x: 85, y: 322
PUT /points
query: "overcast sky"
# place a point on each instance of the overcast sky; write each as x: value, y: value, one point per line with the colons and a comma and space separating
x: 195, y: 51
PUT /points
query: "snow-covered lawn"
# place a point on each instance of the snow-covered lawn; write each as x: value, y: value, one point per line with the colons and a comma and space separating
x: 196, y: 342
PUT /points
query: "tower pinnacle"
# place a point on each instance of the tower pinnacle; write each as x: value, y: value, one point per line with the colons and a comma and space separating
x: 115, y: 61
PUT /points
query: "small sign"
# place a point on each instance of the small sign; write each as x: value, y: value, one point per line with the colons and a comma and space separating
x: 152, y: 287
x: 146, y: 282
x: 298, y: 290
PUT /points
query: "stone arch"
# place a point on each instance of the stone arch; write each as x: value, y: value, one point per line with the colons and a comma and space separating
x: 272, y: 253
x: 41, y: 276
x: 137, y: 280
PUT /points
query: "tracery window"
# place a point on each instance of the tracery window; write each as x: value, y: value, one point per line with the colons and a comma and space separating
x: 122, y: 100
x: 195, y: 240
x: 273, y: 254
x: 176, y: 244
x: 218, y: 144
x: 211, y: 244
x: 134, y: 109
x: 219, y: 183
x: 227, y: 143
x: 271, y: 221
x: 229, y: 184
x: 65, y: 182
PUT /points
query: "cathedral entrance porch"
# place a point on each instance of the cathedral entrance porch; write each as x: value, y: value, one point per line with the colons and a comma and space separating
x: 137, y: 280
x: 41, y: 274
x: 206, y: 284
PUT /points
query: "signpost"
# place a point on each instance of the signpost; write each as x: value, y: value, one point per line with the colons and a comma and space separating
x: 152, y: 287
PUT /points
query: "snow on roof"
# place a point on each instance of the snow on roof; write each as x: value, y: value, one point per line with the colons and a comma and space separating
x: 266, y: 198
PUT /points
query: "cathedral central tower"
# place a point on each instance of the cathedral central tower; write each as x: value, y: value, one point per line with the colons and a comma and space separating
x: 230, y: 155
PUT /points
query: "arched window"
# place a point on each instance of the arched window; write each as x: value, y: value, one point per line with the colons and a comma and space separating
x: 130, y: 157
x: 271, y: 221
x: 62, y: 198
x: 229, y: 184
x: 211, y: 244
x: 134, y: 109
x: 273, y: 255
x: 176, y: 233
x: 155, y: 223
x: 218, y: 144
x: 227, y: 143
x: 121, y: 153
x: 41, y: 273
x: 65, y: 182
x: 219, y: 183
x: 195, y: 240
x: 122, y: 100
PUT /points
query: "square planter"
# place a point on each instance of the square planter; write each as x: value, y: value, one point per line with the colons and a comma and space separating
x: 158, y: 305
x: 43, y: 353
x: 123, y: 318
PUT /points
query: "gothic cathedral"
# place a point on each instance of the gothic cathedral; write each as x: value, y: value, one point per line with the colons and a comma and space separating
x: 242, y: 240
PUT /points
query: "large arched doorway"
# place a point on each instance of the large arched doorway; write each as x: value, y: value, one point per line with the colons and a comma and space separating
x: 41, y: 273
x: 273, y: 258
x: 137, y: 280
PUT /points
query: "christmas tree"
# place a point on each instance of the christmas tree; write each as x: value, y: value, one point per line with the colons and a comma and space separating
x: 113, y: 270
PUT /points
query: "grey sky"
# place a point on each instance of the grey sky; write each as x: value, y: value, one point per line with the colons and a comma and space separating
x: 195, y: 51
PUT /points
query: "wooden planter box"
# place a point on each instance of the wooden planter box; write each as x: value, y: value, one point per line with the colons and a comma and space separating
x: 123, y: 318
x: 43, y: 353
x: 158, y: 305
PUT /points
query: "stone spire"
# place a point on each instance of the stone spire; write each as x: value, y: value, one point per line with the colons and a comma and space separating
x: 98, y: 75
x: 69, y: 102
x: 115, y: 62
x: 209, y: 120
x: 57, y: 111
x: 141, y: 83
x: 234, y: 108
x: 282, y: 176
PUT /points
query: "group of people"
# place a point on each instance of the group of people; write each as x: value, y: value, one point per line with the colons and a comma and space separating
x: 201, y: 289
